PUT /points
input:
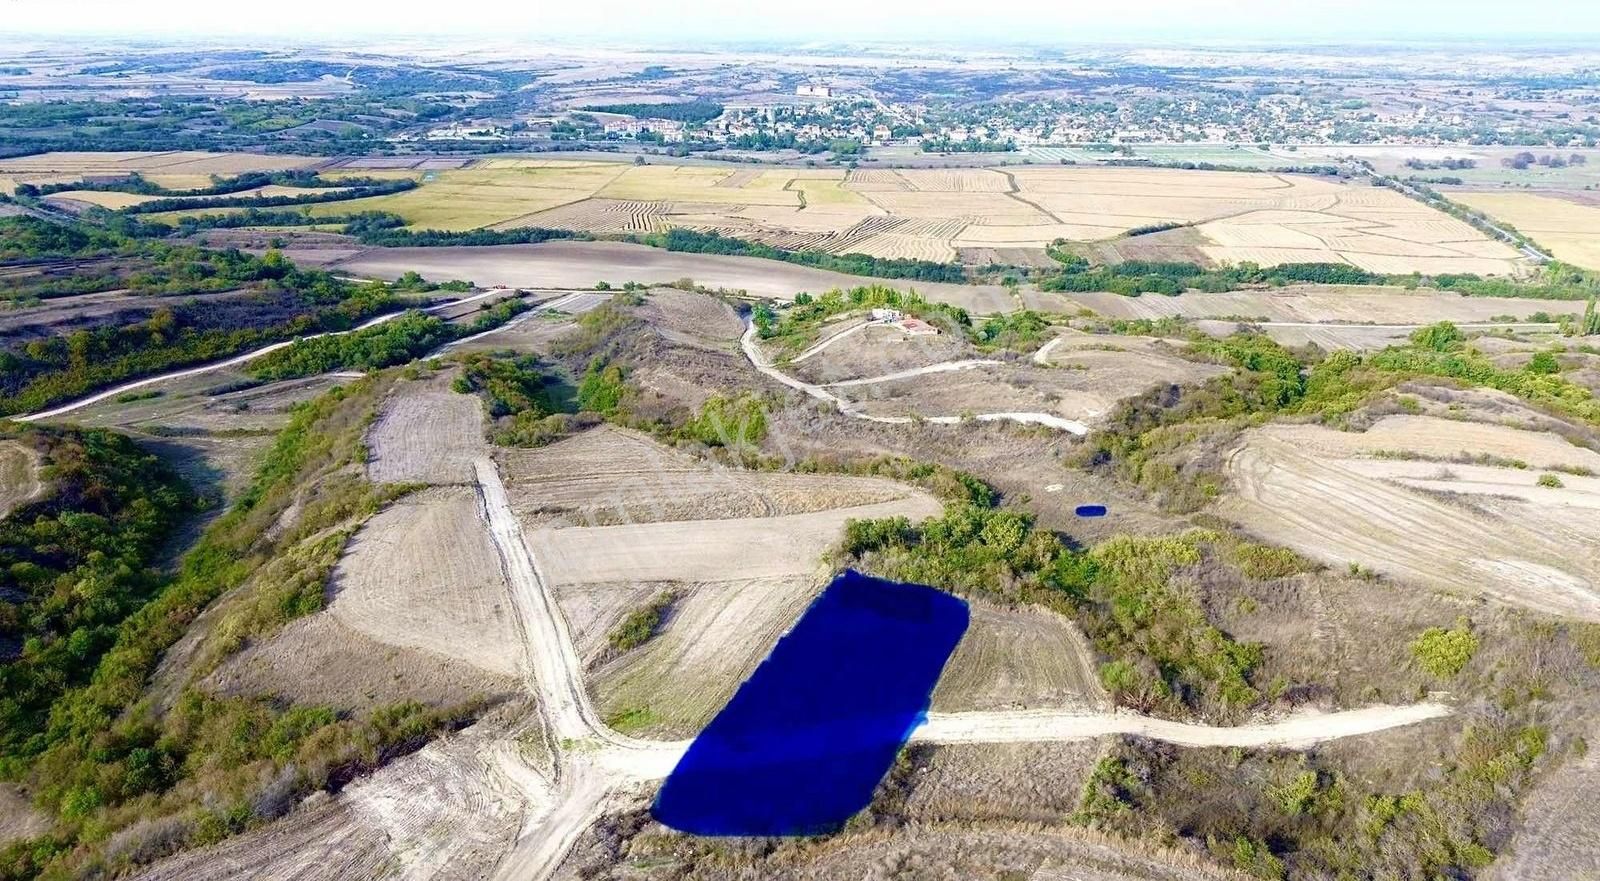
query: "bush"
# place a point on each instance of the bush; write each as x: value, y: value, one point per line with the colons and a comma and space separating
x: 602, y: 389
x: 1445, y: 653
x: 728, y: 422
x: 1550, y: 480
x: 1544, y: 363
x: 641, y: 624
x: 1441, y: 337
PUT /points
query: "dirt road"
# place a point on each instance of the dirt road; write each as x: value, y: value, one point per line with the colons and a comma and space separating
x: 594, y: 766
x: 234, y: 361
x: 848, y: 408
x: 1296, y: 731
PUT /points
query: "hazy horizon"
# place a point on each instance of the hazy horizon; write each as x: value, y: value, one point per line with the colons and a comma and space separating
x: 1009, y: 22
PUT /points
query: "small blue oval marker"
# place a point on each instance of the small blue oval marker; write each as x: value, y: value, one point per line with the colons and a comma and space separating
x: 1091, y: 511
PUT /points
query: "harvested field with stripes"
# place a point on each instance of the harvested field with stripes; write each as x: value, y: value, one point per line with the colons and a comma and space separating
x: 1426, y: 500
x: 617, y: 518
x: 935, y: 214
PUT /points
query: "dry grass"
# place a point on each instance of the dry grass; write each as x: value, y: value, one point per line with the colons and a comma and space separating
x: 1319, y: 303
x: 19, y: 476
x: 1557, y: 839
x: 18, y: 818
x: 1570, y: 230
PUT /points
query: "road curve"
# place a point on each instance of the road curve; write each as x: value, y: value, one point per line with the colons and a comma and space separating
x: 848, y: 408
x: 233, y: 361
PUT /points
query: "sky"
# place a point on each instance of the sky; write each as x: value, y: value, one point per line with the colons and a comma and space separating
x: 686, y: 21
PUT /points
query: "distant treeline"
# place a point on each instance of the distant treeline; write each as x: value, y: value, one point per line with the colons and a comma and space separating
x: 138, y: 184
x: 1135, y: 277
x: 1327, y: 170
x: 687, y: 111
x: 372, y: 188
x: 970, y: 145
x: 374, y: 230
x: 690, y: 241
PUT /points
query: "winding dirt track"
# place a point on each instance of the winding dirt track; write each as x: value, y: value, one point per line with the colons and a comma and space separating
x: 593, y: 765
x: 235, y: 361
x: 848, y: 408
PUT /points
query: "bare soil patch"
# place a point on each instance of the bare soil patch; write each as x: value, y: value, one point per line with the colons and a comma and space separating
x: 1560, y: 834
x: 426, y: 434
x: 875, y: 351
x: 423, y: 574
x: 444, y: 812
x: 611, y: 476
x: 319, y: 660
x: 581, y: 264
x: 718, y: 633
x: 1082, y: 378
x: 18, y: 818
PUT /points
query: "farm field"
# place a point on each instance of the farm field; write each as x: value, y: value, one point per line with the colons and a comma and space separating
x: 1570, y: 229
x: 936, y: 213
x: 616, y: 519
x: 178, y: 169
x: 1489, y: 172
x: 1404, y: 504
x: 1324, y: 303
x: 114, y: 200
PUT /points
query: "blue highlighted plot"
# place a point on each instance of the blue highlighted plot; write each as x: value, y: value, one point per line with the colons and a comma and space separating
x: 805, y: 740
x: 1091, y: 511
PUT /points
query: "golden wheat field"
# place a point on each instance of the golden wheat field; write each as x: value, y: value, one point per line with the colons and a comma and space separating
x: 930, y: 214
x: 1571, y: 231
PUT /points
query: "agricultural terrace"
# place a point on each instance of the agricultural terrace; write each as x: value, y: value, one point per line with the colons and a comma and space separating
x: 1568, y: 227
x: 948, y: 214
